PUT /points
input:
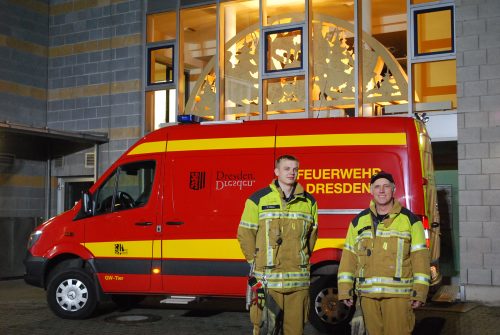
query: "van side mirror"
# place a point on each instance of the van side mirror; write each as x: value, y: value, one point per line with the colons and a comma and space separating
x: 87, y: 204
x: 87, y: 208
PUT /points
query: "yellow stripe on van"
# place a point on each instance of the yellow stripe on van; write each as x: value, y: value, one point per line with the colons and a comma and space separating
x: 333, y: 140
x: 202, y: 249
x: 320, y: 140
x: 182, y: 249
x: 157, y: 248
x: 149, y: 147
x: 221, y: 143
x: 223, y: 248
x: 126, y: 249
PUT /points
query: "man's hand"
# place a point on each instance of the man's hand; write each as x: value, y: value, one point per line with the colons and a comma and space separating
x: 416, y: 304
x: 348, y: 302
x: 258, y: 292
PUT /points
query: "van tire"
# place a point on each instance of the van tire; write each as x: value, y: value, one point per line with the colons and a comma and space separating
x: 326, y: 313
x: 71, y: 294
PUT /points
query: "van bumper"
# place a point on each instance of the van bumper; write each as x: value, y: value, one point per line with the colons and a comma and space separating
x: 35, y: 267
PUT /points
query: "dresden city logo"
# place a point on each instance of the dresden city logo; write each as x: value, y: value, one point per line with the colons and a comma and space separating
x: 196, y: 180
x: 234, y: 180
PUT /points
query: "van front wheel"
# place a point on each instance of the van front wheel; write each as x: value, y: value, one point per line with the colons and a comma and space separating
x: 71, y: 294
x: 326, y: 313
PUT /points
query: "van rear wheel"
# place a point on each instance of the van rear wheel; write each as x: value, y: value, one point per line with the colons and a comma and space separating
x: 71, y: 294
x: 326, y: 313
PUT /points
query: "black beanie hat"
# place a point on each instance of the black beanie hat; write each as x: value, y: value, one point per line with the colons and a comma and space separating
x: 381, y: 174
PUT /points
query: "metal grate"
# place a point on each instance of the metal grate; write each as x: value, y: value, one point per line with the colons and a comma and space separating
x: 59, y: 162
x: 89, y: 160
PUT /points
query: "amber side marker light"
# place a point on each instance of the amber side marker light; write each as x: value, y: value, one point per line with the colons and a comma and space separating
x: 156, y: 271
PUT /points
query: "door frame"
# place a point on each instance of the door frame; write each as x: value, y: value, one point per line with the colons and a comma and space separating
x: 61, y: 185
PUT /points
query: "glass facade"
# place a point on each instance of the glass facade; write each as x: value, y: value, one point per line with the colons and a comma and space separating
x: 197, y: 50
x: 240, y: 61
x: 306, y: 65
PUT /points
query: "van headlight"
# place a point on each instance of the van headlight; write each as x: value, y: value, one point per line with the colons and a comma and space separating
x: 34, y: 237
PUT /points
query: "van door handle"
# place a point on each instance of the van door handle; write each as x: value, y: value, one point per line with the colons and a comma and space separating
x: 144, y: 224
x: 174, y: 223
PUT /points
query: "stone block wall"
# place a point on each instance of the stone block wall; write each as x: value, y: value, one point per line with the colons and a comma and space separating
x: 95, y: 75
x: 23, y: 97
x: 478, y: 87
x: 23, y: 61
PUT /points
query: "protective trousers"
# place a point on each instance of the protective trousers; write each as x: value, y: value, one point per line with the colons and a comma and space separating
x: 295, y: 307
x: 388, y: 316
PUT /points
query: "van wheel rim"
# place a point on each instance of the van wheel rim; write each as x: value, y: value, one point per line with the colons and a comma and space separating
x: 327, y: 307
x: 72, y: 295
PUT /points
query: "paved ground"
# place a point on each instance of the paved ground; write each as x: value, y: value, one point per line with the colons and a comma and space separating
x: 23, y: 310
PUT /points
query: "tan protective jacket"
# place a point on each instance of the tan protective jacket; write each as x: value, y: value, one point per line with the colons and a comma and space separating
x: 392, y: 261
x: 280, y: 235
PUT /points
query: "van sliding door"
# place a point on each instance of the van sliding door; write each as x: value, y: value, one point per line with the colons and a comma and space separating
x: 209, y: 175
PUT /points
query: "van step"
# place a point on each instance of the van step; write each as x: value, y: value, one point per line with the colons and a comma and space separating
x: 447, y: 293
x: 178, y: 299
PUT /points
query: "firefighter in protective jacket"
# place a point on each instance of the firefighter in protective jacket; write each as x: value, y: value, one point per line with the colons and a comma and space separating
x: 386, y: 257
x: 277, y: 233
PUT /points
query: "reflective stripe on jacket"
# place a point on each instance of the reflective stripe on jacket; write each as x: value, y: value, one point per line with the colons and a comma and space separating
x: 389, y: 261
x: 281, y: 235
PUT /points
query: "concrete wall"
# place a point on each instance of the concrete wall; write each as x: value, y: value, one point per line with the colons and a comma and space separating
x: 478, y: 90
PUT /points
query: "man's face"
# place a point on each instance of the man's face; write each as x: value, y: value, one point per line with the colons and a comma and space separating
x: 382, y: 191
x: 287, y: 171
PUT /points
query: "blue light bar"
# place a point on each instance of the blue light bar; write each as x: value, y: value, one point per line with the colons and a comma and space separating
x: 190, y: 118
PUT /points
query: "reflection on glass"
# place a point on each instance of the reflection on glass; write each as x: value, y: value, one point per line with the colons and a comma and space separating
x: 161, y: 27
x: 333, y: 58
x: 279, y: 12
x: 198, y: 27
x: 241, y: 59
x: 435, y: 82
x: 160, y: 108
x: 161, y: 68
x: 284, y: 95
x: 283, y: 50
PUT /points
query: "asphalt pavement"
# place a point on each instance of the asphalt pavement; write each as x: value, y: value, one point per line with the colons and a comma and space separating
x: 23, y: 310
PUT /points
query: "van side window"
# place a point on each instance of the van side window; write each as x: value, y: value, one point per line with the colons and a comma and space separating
x: 129, y: 186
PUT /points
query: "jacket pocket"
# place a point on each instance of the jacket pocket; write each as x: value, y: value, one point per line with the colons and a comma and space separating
x: 364, y: 249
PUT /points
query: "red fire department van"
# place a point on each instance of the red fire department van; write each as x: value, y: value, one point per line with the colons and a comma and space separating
x: 162, y: 220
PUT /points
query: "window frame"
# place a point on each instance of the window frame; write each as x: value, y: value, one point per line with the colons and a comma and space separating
x: 157, y: 46
x: 416, y: 10
x: 296, y: 71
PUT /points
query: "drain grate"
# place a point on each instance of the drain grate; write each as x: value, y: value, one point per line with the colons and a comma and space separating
x: 133, y: 318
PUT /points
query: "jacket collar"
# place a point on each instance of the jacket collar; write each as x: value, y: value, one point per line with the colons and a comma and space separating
x: 298, y: 190
x: 395, y: 210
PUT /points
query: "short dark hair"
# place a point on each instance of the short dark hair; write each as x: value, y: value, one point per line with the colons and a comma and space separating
x: 288, y: 157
